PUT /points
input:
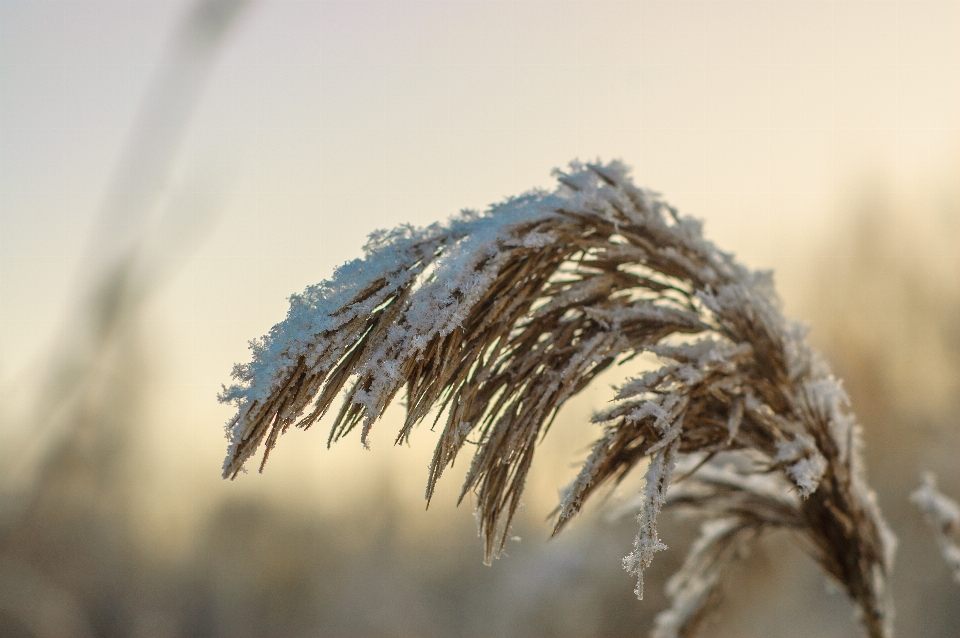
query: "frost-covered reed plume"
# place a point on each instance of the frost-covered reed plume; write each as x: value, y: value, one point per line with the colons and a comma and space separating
x: 493, y: 320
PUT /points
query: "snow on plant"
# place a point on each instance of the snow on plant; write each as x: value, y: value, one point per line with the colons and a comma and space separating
x: 497, y: 318
x: 943, y: 516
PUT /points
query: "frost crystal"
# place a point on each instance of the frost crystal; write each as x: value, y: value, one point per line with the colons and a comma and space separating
x: 806, y: 464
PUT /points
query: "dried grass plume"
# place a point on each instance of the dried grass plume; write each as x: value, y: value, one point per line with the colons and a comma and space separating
x: 943, y: 517
x: 493, y: 320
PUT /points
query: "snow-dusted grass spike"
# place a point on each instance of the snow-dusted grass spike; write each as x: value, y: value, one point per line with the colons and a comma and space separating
x: 491, y: 321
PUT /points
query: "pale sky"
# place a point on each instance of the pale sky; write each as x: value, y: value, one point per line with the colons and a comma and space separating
x: 323, y: 121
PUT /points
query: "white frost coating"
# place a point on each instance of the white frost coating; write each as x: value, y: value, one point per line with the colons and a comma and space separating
x: 646, y: 311
x: 434, y: 310
x: 768, y: 485
x: 942, y: 511
x: 645, y: 383
x: 651, y: 408
x: 539, y: 240
x: 827, y: 396
x: 807, y: 463
x: 570, y: 496
x: 695, y: 361
x: 718, y: 489
x: 943, y: 515
x: 395, y: 257
x: 579, y: 292
x: 807, y: 472
x: 647, y: 542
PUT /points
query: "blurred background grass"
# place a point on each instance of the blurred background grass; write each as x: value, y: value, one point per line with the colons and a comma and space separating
x: 170, y: 172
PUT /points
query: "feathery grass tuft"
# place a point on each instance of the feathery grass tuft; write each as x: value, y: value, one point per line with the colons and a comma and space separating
x: 497, y: 318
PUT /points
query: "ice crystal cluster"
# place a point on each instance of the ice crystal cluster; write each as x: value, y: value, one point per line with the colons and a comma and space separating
x: 491, y: 321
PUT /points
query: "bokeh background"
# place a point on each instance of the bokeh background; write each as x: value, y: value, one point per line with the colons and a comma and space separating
x: 171, y: 171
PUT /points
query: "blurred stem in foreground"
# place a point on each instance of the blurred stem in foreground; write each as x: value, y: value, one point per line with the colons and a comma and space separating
x: 138, y: 233
x: 70, y: 510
